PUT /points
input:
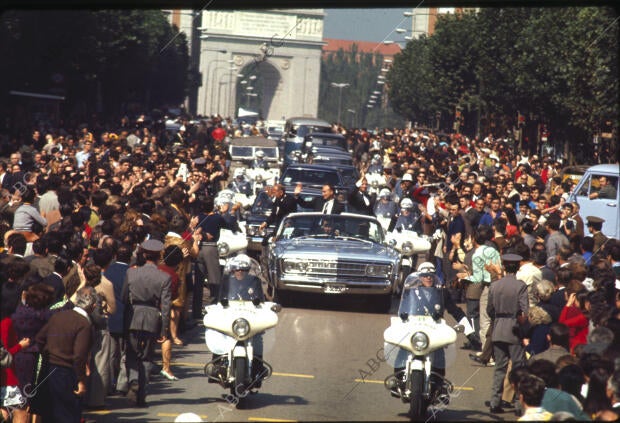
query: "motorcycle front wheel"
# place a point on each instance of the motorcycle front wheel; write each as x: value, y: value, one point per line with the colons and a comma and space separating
x: 239, y: 389
x: 417, y: 404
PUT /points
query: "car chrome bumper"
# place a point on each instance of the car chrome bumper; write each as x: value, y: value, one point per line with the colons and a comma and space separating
x: 335, y: 286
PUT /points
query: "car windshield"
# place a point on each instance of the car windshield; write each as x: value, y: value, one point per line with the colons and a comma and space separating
x: 303, y: 130
x: 241, y: 151
x: 310, y: 177
x: 330, y: 226
x: 262, y: 203
x: 329, y: 142
x: 422, y: 295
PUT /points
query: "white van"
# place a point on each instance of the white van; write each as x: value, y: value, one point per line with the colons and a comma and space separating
x: 607, y: 207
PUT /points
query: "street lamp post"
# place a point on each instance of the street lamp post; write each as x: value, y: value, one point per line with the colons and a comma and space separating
x: 352, y: 116
x: 340, y: 86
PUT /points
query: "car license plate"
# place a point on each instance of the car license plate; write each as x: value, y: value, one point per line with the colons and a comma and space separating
x: 334, y: 288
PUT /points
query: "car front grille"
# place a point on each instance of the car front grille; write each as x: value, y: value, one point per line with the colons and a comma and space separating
x: 344, y: 269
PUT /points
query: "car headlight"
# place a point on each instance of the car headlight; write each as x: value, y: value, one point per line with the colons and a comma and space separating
x: 407, y: 247
x: 241, y: 327
x: 419, y: 340
x: 377, y: 270
x: 251, y: 230
x: 295, y: 266
x: 223, y: 248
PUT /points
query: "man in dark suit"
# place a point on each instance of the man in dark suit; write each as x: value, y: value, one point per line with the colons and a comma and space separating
x: 360, y: 200
x: 147, y: 298
x: 116, y: 273
x: 507, y: 300
x: 61, y: 268
x: 327, y: 203
x: 283, y: 204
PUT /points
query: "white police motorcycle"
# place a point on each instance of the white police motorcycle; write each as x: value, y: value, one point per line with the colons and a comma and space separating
x: 234, y: 334
x: 414, y: 346
x: 406, y: 240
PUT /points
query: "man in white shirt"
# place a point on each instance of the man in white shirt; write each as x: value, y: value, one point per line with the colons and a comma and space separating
x: 528, y: 273
x: 82, y: 156
x: 327, y: 203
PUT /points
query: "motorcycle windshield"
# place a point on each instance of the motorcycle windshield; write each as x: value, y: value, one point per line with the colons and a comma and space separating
x: 422, y: 296
x: 262, y: 204
x: 387, y: 209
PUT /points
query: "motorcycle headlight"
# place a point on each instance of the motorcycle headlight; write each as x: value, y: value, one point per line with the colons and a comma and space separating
x: 223, y: 248
x: 419, y: 340
x: 407, y: 247
x: 241, y: 327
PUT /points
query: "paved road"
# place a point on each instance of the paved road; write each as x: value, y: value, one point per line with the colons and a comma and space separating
x: 325, y: 369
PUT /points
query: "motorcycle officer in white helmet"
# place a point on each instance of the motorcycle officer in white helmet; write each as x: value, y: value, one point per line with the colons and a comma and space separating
x: 434, y: 298
x: 240, y: 285
x: 376, y: 165
x: 408, y: 218
x: 385, y: 205
x: 259, y: 161
x: 240, y: 183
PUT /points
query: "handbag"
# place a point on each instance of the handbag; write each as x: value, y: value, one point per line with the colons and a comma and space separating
x: 474, y: 290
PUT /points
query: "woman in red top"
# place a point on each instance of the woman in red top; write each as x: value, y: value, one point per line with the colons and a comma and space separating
x: 12, y: 400
x: 573, y: 316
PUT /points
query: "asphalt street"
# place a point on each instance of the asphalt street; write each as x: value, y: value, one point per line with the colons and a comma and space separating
x: 326, y: 358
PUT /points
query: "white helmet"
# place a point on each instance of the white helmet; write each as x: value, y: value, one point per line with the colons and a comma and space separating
x: 260, y: 154
x: 221, y: 201
x: 426, y: 267
x: 385, y: 193
x: 226, y: 194
x: 239, y: 172
x: 406, y: 203
x: 240, y: 262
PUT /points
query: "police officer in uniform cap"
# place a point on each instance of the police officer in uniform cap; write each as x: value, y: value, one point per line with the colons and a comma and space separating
x: 146, y: 293
x: 595, y: 224
x: 507, y: 306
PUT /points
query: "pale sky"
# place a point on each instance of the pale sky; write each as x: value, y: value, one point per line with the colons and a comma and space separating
x: 364, y: 24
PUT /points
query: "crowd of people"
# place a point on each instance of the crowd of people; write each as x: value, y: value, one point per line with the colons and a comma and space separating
x: 110, y: 227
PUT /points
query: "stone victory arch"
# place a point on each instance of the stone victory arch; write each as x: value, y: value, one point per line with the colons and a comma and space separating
x: 280, y: 47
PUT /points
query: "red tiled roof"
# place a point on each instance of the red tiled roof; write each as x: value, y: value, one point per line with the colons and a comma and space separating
x: 334, y: 45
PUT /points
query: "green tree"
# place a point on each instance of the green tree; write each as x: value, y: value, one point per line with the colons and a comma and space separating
x: 557, y: 66
x: 106, y: 58
x: 360, y: 70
